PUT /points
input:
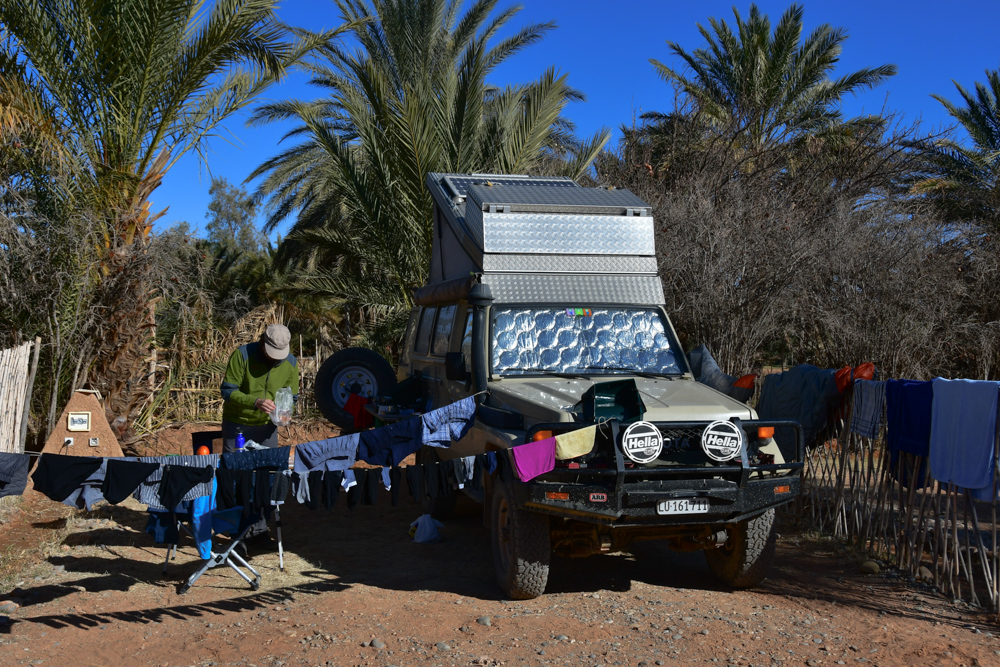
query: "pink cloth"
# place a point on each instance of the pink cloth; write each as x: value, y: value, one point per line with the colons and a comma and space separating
x: 534, y: 458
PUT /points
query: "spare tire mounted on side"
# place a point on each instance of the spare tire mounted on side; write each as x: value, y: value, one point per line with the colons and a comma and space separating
x: 354, y: 370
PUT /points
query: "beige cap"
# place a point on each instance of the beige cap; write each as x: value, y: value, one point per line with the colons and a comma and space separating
x: 276, y: 341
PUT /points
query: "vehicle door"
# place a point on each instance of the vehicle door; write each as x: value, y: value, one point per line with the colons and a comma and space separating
x: 431, y: 342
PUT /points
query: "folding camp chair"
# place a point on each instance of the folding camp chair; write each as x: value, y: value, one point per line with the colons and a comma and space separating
x: 207, y: 439
x: 226, y: 521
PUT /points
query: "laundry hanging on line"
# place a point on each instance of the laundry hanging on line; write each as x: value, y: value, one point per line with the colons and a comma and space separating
x: 13, y: 473
x: 162, y: 481
x: 868, y: 407
x: 963, y: 434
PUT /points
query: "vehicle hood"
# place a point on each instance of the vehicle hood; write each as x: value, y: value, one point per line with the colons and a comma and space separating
x: 682, y: 399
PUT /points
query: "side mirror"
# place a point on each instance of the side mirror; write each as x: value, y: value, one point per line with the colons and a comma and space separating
x: 454, y: 366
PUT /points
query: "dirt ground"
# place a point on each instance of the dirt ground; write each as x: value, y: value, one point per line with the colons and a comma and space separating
x: 356, y: 591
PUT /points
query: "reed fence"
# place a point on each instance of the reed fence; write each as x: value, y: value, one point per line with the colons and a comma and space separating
x: 198, y: 398
x: 897, y: 512
x: 188, y: 374
x: 17, y: 375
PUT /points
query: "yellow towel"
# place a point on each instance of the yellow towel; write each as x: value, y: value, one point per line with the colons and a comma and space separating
x: 575, y: 443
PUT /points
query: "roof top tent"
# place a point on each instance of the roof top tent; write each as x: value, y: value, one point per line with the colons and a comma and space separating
x: 540, y: 240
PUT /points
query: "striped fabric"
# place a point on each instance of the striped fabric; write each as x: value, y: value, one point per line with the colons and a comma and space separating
x: 869, y: 406
x: 148, y: 492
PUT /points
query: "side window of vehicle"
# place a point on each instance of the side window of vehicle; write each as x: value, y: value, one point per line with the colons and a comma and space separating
x: 424, y: 330
x: 442, y: 331
x: 467, y: 341
x: 411, y: 332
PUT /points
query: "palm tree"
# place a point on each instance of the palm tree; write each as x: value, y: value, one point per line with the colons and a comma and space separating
x: 412, y: 99
x: 965, y: 181
x: 118, y: 91
x: 130, y: 86
x: 768, y: 87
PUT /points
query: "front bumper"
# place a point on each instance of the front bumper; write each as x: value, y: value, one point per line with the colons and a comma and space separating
x: 625, y: 497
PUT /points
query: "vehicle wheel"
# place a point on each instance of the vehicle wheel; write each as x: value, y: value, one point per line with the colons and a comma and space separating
x: 354, y: 370
x: 744, y: 560
x: 521, y: 546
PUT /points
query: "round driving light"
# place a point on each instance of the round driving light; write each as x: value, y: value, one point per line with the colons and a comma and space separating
x: 642, y: 442
x: 722, y: 441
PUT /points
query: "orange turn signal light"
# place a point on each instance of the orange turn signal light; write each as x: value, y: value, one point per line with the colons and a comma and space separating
x: 765, y: 432
x: 541, y: 435
x: 554, y: 495
x: 783, y: 489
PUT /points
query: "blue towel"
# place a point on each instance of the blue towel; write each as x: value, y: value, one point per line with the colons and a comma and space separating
x: 963, y: 434
x: 201, y: 522
x: 908, y: 416
x: 330, y: 454
x: 805, y: 394
x: 449, y: 424
x: 869, y: 403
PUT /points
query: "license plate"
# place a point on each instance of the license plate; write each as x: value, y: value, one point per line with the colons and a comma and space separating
x: 683, y: 506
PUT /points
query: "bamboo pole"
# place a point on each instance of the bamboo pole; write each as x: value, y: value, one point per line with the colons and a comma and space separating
x: 26, y: 414
x: 4, y: 413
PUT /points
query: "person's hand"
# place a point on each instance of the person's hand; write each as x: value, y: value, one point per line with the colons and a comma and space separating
x: 265, y: 405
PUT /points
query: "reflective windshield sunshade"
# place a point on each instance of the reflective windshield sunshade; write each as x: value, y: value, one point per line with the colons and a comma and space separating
x: 585, y: 340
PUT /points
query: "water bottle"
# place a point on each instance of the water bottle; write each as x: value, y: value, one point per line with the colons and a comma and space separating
x: 240, y: 440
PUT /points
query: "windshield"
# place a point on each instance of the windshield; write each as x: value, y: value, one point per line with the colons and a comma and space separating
x: 588, y: 341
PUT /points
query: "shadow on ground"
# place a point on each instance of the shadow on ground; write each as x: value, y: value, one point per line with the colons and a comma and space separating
x: 370, y: 546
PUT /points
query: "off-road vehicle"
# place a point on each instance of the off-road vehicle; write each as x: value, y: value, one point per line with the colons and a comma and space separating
x: 540, y: 290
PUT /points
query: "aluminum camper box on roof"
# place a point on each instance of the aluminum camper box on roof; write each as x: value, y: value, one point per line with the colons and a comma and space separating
x: 543, y: 239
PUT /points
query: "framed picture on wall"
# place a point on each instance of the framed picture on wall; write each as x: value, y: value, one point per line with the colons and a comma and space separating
x: 78, y: 421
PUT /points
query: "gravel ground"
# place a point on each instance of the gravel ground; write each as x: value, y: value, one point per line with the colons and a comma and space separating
x: 356, y: 591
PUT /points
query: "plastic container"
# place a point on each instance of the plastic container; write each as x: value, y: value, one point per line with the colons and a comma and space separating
x: 284, y: 404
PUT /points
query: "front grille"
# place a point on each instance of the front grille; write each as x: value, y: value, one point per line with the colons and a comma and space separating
x: 681, y: 447
x: 681, y: 440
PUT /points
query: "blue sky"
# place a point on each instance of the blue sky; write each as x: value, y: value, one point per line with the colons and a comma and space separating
x: 605, y: 48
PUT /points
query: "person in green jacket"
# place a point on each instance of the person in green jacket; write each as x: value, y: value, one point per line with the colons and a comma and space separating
x: 254, y: 375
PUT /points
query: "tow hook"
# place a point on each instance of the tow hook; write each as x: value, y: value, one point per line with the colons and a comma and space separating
x: 716, y: 539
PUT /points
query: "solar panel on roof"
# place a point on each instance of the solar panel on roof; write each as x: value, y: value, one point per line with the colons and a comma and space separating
x: 461, y: 183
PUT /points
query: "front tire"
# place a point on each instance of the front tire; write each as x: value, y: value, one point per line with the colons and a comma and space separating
x: 744, y: 560
x: 353, y: 370
x: 522, y: 546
